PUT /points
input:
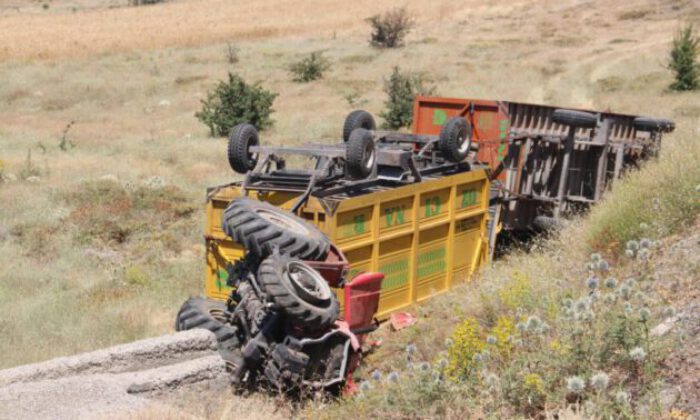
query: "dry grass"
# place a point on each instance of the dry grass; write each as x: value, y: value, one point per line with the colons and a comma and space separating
x: 195, y: 23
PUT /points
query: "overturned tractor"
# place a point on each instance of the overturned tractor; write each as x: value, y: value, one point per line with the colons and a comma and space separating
x: 280, y: 327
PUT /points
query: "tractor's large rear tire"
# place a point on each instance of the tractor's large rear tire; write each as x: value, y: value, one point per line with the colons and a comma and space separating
x: 357, y: 119
x: 199, y: 312
x: 261, y: 228
x: 306, y: 299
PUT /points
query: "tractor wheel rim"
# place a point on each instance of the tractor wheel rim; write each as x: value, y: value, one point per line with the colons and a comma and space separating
x: 252, y: 157
x: 308, y: 282
x: 463, y: 142
x: 282, y: 221
x: 370, y: 156
x: 219, y: 315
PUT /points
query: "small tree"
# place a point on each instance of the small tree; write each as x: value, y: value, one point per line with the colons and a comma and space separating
x: 389, y: 29
x: 402, y: 88
x: 235, y: 102
x: 310, y: 68
x: 683, y: 59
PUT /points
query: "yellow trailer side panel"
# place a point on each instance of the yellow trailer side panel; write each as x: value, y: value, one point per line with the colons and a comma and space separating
x: 424, y: 237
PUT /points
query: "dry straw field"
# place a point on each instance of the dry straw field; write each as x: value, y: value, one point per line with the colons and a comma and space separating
x: 105, y: 166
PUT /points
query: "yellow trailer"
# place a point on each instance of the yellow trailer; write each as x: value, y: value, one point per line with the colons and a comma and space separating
x: 425, y: 237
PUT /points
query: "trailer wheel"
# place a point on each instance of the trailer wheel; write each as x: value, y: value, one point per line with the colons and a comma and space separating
x: 199, y: 312
x: 653, y: 124
x: 357, y: 119
x: 299, y: 291
x: 455, y: 139
x: 546, y: 223
x: 240, y: 139
x: 574, y: 118
x: 261, y: 228
x: 361, y: 155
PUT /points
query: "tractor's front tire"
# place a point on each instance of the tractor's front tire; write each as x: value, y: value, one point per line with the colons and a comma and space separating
x: 199, y: 312
x: 455, y: 139
x: 357, y: 119
x: 240, y: 140
x: 361, y: 155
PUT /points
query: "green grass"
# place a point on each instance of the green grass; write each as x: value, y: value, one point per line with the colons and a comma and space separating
x: 659, y: 199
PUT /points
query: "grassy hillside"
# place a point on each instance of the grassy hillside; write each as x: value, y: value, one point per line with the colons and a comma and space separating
x: 579, y: 305
x: 105, y: 166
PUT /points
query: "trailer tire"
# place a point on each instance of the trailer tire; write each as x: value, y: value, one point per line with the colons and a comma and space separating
x: 653, y: 125
x: 546, y: 223
x: 240, y: 139
x: 261, y: 228
x: 455, y: 139
x: 357, y: 119
x: 284, y: 291
x: 574, y: 118
x: 199, y: 312
x: 361, y: 156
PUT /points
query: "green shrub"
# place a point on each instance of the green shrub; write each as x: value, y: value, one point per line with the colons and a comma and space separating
x: 401, y: 88
x: 234, y: 102
x: 310, y: 68
x: 389, y: 29
x: 683, y: 59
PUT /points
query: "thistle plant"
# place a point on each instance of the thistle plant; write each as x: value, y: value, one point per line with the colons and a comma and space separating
x: 600, y: 381
x: 622, y: 398
x: 610, y: 283
x: 592, y: 282
x: 582, y: 304
x: 638, y: 354
x: 644, y: 314
x: 393, y: 377
x: 575, y: 385
x: 610, y: 298
x: 533, y: 322
x: 365, y: 386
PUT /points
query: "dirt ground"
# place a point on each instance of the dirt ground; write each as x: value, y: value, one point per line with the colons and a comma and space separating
x: 677, y: 274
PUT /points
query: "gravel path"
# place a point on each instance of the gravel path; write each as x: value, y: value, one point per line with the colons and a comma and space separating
x: 115, y: 381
